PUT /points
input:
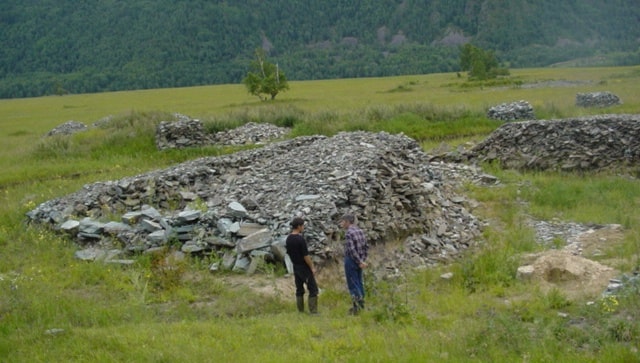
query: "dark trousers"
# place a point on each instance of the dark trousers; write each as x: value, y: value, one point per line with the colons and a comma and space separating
x: 303, y: 276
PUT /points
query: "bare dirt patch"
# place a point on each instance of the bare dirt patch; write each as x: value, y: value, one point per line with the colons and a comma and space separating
x: 572, y: 269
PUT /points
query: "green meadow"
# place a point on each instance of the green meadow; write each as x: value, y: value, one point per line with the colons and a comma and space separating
x: 55, y: 308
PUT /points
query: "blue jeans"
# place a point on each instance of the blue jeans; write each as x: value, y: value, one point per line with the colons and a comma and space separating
x: 353, y: 274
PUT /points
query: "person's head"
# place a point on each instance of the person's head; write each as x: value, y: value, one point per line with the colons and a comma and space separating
x: 347, y: 220
x: 297, y: 224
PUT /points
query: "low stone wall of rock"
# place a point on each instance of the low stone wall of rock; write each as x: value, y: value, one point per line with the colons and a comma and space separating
x: 181, y: 134
x: 191, y: 133
x: 597, y: 99
x: 521, y: 110
x: 585, y: 143
x: 239, y: 206
x: 68, y: 128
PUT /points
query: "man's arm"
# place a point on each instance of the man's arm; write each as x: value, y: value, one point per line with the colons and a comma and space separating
x: 307, y: 259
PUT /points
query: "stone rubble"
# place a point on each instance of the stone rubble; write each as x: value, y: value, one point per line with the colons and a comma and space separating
x: 572, y: 144
x: 180, y: 134
x: 68, y: 128
x: 250, y: 133
x: 238, y: 207
x: 514, y: 111
x: 597, y: 99
x: 187, y: 132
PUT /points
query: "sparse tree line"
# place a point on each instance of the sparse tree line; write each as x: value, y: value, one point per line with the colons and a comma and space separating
x: 266, y: 80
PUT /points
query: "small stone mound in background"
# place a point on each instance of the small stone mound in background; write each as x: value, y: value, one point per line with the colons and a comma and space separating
x: 68, y: 128
x: 181, y: 134
x: 597, y: 99
x: 250, y: 133
x: 191, y: 133
x: 513, y: 111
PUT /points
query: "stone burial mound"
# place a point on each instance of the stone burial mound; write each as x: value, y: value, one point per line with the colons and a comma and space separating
x: 68, y: 128
x: 521, y: 110
x: 237, y: 208
x: 597, y: 99
x: 187, y: 132
x: 582, y: 144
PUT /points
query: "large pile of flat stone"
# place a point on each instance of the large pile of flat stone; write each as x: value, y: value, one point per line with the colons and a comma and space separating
x: 238, y: 206
x: 585, y: 143
x: 597, y: 99
x: 521, y: 110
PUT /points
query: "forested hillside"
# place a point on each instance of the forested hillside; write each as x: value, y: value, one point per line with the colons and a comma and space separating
x: 76, y: 46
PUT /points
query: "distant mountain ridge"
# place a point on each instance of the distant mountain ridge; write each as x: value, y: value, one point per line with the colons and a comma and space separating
x: 77, y: 46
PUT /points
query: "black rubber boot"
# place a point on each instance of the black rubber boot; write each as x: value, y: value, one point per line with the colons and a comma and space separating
x: 355, y: 308
x: 313, y: 305
x: 361, y: 304
x: 300, y: 303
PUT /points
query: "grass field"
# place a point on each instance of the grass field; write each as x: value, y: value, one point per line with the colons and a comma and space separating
x: 53, y: 308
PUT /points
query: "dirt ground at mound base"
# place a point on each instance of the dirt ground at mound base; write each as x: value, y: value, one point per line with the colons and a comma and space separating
x: 572, y: 270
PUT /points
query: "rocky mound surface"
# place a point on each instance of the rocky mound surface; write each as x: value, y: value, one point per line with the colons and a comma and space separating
x: 68, y: 128
x: 239, y: 206
x: 585, y: 143
x: 521, y: 110
x: 187, y: 132
x: 597, y: 99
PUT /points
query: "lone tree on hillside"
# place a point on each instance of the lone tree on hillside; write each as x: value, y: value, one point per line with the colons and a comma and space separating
x: 481, y: 64
x: 265, y: 78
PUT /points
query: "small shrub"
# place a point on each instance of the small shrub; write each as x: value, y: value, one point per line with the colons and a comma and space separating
x: 166, y: 270
x: 494, y: 266
x: 623, y: 330
x: 609, y: 304
x: 53, y: 147
x: 221, y: 124
x: 391, y: 300
x: 556, y: 299
x: 378, y: 113
x: 400, y: 88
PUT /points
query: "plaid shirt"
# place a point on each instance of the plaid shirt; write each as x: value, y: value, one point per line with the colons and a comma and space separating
x: 355, y: 245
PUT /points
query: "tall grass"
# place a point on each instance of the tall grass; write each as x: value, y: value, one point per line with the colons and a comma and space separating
x: 54, y: 307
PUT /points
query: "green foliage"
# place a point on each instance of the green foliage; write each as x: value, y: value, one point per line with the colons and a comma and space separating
x: 110, y: 46
x: 390, y: 299
x: 556, y: 299
x: 480, y: 64
x: 603, y: 199
x: 265, y: 79
x: 493, y: 268
x: 282, y: 115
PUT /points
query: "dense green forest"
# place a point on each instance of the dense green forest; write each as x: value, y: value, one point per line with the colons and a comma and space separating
x: 79, y: 46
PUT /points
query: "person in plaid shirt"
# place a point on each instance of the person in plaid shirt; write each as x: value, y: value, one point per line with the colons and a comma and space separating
x: 355, y: 259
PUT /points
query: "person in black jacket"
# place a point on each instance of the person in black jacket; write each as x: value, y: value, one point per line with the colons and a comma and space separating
x: 303, y: 269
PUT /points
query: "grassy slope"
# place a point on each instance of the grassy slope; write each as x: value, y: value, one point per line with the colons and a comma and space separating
x: 111, y: 313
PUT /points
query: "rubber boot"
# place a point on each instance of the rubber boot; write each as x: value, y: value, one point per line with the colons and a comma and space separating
x: 300, y: 303
x: 354, y: 308
x: 361, y: 304
x: 313, y: 305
